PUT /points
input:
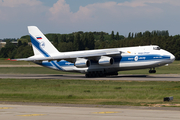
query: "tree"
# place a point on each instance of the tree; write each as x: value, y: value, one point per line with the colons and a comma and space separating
x: 135, y: 35
x: 63, y: 38
x: 101, y: 37
x: 147, y: 34
x: 23, y: 51
x: 132, y: 35
x: 139, y: 34
x: 25, y: 44
x: 154, y: 33
x: 23, y: 40
x: 71, y: 38
x: 82, y: 42
x: 55, y: 41
x: 117, y: 36
x: 121, y: 37
x: 91, y: 43
x: 19, y: 43
x: 27, y: 37
x: 167, y: 33
x: 86, y: 40
x: 76, y: 41
x: 8, y: 44
x: 112, y: 35
x: 129, y: 35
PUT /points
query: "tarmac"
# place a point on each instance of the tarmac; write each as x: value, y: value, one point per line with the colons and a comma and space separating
x: 153, y: 77
x: 29, y: 112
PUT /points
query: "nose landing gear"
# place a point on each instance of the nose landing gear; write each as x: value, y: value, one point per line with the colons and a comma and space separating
x: 152, y: 71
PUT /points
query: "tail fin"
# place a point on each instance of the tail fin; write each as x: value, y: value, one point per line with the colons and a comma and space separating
x: 41, y: 45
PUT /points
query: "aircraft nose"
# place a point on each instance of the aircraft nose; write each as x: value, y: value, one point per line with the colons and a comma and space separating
x: 172, y: 57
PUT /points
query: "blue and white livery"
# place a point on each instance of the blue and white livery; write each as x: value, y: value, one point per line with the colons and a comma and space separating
x: 96, y: 63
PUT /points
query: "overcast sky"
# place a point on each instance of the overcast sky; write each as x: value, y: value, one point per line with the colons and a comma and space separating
x: 66, y: 16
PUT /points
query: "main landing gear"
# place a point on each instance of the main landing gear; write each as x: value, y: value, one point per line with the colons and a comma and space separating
x: 95, y: 74
x: 152, y: 71
x: 99, y: 74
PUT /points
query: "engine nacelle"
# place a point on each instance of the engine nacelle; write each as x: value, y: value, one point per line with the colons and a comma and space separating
x: 104, y: 60
x: 81, y: 63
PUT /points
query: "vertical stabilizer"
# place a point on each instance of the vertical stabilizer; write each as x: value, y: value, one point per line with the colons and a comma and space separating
x: 41, y: 45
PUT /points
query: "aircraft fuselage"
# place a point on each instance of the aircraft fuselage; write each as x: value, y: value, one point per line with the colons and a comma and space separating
x: 130, y: 58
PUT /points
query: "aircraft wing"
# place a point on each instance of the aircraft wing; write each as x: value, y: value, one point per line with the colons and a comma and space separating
x: 45, y: 51
x: 70, y: 56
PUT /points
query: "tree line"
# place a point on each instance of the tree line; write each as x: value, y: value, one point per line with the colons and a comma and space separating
x: 21, y: 50
x: 96, y: 40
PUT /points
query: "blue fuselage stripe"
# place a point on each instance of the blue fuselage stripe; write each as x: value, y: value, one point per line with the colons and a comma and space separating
x: 54, y: 63
x: 135, y: 58
x: 117, y: 59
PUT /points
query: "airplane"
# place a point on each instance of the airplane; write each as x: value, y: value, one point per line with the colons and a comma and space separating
x: 96, y: 63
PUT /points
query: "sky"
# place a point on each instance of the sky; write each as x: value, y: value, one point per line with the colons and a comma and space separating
x: 67, y: 16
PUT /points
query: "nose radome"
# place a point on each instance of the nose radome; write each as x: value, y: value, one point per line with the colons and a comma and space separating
x: 172, y: 57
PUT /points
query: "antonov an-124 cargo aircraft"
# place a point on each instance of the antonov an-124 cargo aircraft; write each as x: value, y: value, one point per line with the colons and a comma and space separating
x: 96, y: 63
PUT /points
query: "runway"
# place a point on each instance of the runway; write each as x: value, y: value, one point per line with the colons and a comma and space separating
x: 154, y: 77
x: 29, y: 112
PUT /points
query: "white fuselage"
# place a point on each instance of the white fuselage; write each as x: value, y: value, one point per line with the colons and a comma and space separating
x: 130, y: 58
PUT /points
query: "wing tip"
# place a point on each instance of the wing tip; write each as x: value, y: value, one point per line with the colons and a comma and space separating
x: 11, y: 59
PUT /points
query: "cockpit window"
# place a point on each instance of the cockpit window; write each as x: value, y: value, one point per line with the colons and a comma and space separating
x: 156, y: 48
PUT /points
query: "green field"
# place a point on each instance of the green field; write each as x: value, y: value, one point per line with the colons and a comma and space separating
x: 106, y: 92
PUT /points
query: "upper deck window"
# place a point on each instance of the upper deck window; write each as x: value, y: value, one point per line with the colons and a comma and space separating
x: 156, y: 48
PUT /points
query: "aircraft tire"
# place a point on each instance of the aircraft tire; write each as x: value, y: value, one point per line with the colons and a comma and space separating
x: 87, y: 75
x: 95, y: 74
x: 101, y: 75
x: 152, y: 71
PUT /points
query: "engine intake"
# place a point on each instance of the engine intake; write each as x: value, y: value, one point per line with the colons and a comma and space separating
x: 81, y: 63
x: 104, y: 60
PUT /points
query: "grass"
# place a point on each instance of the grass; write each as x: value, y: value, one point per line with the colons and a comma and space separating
x: 107, y: 92
x: 30, y: 70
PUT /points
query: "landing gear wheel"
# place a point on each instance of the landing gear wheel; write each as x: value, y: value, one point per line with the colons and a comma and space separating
x: 152, y: 71
x: 87, y: 75
x: 95, y: 74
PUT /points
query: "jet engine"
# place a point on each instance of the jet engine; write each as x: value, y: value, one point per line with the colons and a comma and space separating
x: 104, y: 60
x: 81, y: 63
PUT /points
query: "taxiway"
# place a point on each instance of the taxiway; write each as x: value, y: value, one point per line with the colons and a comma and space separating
x: 154, y: 77
x: 28, y: 112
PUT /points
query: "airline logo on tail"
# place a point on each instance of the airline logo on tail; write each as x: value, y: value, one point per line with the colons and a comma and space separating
x: 42, y: 44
